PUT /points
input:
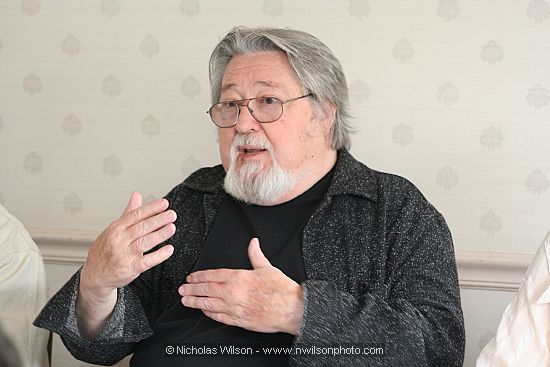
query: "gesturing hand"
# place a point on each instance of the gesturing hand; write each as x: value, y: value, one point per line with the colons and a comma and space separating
x: 263, y: 299
x: 117, y: 256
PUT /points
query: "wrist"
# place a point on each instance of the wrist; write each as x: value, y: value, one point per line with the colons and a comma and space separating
x: 90, y: 293
x: 296, y: 311
x: 94, y: 306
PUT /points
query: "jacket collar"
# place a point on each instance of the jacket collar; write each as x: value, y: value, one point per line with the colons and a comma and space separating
x: 351, y: 177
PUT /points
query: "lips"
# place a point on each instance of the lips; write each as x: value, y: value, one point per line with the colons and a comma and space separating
x: 249, y: 149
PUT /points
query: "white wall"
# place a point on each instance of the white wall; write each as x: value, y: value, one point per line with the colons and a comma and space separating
x: 98, y: 99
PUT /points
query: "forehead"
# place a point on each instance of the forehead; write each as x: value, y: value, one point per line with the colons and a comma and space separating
x: 260, y: 70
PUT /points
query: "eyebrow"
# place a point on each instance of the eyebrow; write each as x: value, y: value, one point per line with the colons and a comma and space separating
x: 264, y: 83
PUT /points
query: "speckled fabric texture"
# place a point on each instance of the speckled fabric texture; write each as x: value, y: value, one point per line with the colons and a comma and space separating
x: 379, y: 264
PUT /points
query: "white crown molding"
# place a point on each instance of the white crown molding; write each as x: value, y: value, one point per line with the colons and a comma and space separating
x: 63, y: 247
x: 501, y: 271
x: 476, y: 270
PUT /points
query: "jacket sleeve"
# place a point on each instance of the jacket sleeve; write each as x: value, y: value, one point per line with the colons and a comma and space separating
x: 416, y: 320
x: 137, y: 307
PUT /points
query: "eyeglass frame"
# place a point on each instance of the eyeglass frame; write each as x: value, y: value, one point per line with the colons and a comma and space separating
x: 244, y: 102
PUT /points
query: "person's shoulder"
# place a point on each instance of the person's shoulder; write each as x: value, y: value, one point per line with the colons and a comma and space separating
x: 398, y: 185
x: 404, y: 205
x: 14, y: 238
x: 390, y: 190
x: 402, y: 192
x: 376, y: 184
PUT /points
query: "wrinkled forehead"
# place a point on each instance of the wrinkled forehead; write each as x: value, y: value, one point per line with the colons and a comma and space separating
x: 270, y: 69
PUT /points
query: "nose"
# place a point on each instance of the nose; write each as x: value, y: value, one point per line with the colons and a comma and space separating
x: 246, y: 122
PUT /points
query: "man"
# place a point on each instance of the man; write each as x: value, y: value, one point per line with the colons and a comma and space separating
x: 522, y: 338
x: 289, y: 242
x: 23, y: 292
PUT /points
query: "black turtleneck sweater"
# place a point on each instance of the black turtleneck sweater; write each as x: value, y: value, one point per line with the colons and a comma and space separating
x: 279, y: 229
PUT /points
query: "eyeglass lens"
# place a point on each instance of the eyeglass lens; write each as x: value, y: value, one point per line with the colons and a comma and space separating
x: 264, y: 109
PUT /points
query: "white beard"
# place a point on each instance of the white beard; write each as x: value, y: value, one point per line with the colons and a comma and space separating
x: 249, y: 184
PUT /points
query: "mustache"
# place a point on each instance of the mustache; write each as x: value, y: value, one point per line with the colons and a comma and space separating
x: 248, y: 139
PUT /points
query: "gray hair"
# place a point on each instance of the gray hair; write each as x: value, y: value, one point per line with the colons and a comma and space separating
x: 317, y: 68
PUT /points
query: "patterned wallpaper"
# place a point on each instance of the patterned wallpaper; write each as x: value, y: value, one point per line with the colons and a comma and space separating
x: 100, y: 98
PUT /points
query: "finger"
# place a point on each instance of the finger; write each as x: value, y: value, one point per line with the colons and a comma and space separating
x: 135, y: 202
x: 150, y: 225
x: 209, y: 289
x: 145, y: 243
x: 210, y: 304
x: 213, y: 275
x: 154, y: 258
x: 142, y: 212
x: 256, y: 256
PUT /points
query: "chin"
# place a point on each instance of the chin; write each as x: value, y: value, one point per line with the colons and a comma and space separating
x: 256, y: 183
x: 256, y: 167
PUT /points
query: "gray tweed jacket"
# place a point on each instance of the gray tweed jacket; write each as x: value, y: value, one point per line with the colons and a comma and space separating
x: 379, y: 264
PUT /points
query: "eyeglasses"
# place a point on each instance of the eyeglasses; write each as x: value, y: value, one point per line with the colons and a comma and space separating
x: 263, y: 109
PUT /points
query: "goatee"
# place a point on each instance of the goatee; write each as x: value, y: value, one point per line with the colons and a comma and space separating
x: 252, y: 183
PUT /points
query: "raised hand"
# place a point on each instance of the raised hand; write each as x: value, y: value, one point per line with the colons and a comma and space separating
x: 118, y: 256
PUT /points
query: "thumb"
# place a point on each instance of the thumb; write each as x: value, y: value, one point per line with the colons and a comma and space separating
x: 135, y: 202
x: 256, y: 256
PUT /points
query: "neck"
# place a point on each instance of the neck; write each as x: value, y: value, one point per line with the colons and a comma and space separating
x: 308, y: 176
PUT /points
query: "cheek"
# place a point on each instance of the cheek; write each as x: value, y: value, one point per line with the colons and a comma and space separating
x: 289, y: 146
x: 297, y: 144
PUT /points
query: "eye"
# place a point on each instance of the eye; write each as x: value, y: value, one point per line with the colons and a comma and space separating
x: 268, y: 100
x: 228, y: 104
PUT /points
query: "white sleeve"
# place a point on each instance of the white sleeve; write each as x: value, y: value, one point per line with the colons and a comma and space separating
x: 23, y: 291
x: 521, y: 337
